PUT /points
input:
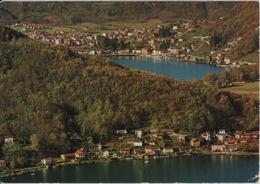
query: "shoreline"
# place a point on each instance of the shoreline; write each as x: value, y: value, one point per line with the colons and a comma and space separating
x: 167, y: 57
x: 83, y: 162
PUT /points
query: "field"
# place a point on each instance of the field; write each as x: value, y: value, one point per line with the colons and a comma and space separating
x: 251, y: 88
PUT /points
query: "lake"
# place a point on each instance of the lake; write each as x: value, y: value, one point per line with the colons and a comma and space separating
x: 168, y: 67
x: 196, y: 168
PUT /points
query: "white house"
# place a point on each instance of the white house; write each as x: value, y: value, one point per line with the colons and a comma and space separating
x: 9, y: 139
x: 91, y: 52
x: 221, y: 135
x: 138, y: 143
x: 174, y: 27
x: 47, y: 161
x: 167, y: 150
x: 106, y: 154
x: 206, y: 136
x: 139, y: 133
x: 180, y: 40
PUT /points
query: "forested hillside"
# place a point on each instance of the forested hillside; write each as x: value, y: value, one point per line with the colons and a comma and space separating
x: 240, y: 24
x: 48, y: 93
x: 75, y: 12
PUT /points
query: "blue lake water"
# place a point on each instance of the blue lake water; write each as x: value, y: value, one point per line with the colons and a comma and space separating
x: 197, y: 168
x: 168, y: 67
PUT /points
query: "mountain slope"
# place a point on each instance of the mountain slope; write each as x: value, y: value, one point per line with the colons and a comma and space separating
x: 105, y: 11
x: 241, y: 22
x: 7, y: 34
x: 50, y: 93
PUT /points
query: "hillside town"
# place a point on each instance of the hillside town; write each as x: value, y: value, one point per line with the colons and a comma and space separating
x: 152, y: 144
x: 181, y: 41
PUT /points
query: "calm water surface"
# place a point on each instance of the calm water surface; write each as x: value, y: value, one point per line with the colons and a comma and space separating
x: 168, y: 67
x: 197, y: 168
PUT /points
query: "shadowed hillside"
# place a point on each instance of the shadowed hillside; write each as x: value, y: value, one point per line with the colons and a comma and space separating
x: 74, y: 12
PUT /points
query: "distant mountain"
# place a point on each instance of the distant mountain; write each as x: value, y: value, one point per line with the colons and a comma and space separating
x: 73, y: 12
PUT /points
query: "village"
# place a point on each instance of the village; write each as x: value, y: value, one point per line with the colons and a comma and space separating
x: 181, y: 41
x: 152, y: 144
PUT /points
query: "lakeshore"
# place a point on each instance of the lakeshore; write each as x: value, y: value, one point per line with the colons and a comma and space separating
x: 84, y: 162
x: 103, y: 171
x: 168, y: 66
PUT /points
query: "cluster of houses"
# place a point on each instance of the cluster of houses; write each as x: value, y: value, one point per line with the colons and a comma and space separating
x: 138, y: 143
x: 149, y: 43
x: 143, y: 42
x: 163, y: 142
x: 228, y: 143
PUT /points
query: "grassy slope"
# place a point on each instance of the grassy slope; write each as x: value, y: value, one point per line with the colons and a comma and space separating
x: 251, y: 88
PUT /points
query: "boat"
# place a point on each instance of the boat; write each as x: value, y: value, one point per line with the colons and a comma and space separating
x: 146, y: 159
x: 254, y: 178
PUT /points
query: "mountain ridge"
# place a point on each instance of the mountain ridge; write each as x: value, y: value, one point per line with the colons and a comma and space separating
x: 104, y: 11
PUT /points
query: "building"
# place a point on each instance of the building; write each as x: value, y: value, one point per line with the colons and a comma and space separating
x: 218, y: 148
x: 157, y: 52
x: 238, y: 135
x: 138, y: 143
x: 92, y: 52
x: 206, y: 136
x: 167, y: 150
x: 139, y: 133
x: 231, y: 145
x: 68, y: 156
x: 181, y: 137
x: 195, y: 142
x: 124, y: 151
x: 106, y: 154
x: 174, y: 27
x: 80, y: 153
x: 149, y: 150
x: 99, y: 146
x: 47, y: 161
x: 180, y: 40
x: 221, y: 135
x: 144, y: 51
x: 9, y: 139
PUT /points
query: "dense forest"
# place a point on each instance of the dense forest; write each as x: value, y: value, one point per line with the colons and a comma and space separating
x: 48, y: 93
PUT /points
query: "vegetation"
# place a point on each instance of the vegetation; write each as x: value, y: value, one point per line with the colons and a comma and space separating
x: 111, y: 44
x: 250, y: 88
x: 243, y: 74
x: 7, y: 34
x: 70, y: 13
x: 242, y: 21
x: 49, y: 93
x: 165, y: 31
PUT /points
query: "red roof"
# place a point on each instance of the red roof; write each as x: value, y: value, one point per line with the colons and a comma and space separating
x: 69, y: 154
x: 194, y: 139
